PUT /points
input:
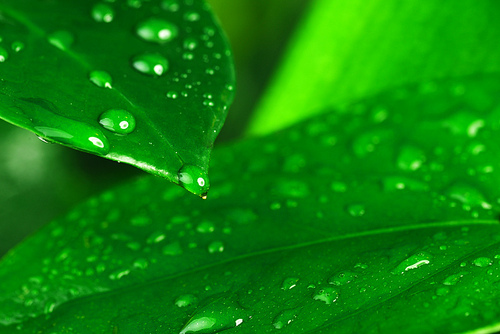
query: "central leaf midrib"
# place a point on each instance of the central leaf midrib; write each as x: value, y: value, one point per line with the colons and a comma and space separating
x: 41, y: 33
x: 454, y: 223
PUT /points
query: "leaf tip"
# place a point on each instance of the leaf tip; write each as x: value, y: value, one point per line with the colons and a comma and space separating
x: 194, y: 179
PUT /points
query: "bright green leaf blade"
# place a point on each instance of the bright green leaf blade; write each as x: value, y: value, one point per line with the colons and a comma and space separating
x: 146, y: 83
x: 359, y: 220
x: 345, y: 50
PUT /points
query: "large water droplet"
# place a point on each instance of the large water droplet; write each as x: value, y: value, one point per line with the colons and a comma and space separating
x: 194, y: 179
x: 413, y: 262
x: 326, y: 295
x: 61, y: 39
x: 118, y: 121
x: 101, y: 79
x: 185, y: 300
x: 157, y: 30
x: 199, y: 324
x: 102, y: 12
x: 152, y: 64
x: 4, y: 55
x: 482, y: 262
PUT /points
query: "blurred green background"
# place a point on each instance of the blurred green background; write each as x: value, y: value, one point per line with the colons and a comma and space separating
x: 40, y: 181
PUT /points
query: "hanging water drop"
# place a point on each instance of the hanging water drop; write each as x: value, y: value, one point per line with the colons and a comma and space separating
x: 102, y: 12
x: 157, y: 30
x: 152, y: 64
x: 194, y: 179
x: 61, y: 39
x: 101, y: 79
x: 118, y: 121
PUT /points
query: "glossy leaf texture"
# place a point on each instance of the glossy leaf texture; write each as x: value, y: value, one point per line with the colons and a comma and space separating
x: 380, y: 217
x: 142, y: 82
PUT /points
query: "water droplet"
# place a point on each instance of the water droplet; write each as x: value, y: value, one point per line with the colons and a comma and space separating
x: 198, y: 324
x: 292, y: 188
x: 192, y: 16
x: 216, y: 247
x: 482, y: 262
x: 194, y: 179
x: 173, y: 248
x: 4, y: 55
x: 284, y: 318
x: 172, y: 95
x: 205, y: 227
x: 185, y: 300
x: 190, y: 44
x: 455, y: 278
x: 140, y: 263
x: 118, y: 274
x: 152, y: 64
x: 101, y: 79
x: 170, y: 5
x: 118, y: 121
x: 17, y: 46
x: 469, y: 196
x: 392, y: 183
x: 102, y: 12
x: 61, y: 39
x: 339, y: 187
x: 326, y: 295
x: 157, y: 30
x: 413, y: 262
x: 410, y: 158
x: 342, y: 278
x: 356, y: 210
x: 156, y: 237
x: 289, y: 283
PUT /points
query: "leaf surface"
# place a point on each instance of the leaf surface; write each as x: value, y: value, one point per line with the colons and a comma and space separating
x: 382, y: 217
x: 142, y: 82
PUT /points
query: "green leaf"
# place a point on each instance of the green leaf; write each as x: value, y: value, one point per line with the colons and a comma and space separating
x: 145, y: 83
x: 379, y: 217
x: 345, y: 50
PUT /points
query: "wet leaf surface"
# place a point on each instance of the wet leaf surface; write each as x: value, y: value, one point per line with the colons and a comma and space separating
x: 142, y: 82
x: 381, y: 217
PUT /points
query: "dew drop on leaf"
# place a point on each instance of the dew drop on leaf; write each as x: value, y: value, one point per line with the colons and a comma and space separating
x: 468, y: 196
x: 342, y: 278
x: 413, y: 262
x: 185, y: 300
x: 455, y: 278
x: 192, y: 16
x: 356, y: 210
x: 172, y: 95
x: 327, y: 295
x: 118, y: 121
x: 205, y: 227
x: 194, y: 179
x: 61, y: 39
x: 170, y: 5
x: 190, y: 44
x: 482, y: 262
x: 289, y: 283
x: 410, y: 158
x: 199, y: 324
x: 216, y: 247
x: 284, y: 318
x: 102, y: 12
x: 4, y: 55
x: 339, y: 187
x: 152, y: 64
x: 173, y: 248
x: 101, y: 79
x: 157, y: 30
x: 17, y: 46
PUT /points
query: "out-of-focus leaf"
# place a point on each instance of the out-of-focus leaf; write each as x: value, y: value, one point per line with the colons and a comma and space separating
x: 142, y: 82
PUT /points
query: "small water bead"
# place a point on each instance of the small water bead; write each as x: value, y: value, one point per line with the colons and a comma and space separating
x: 17, y: 46
x: 152, y: 64
x: 194, y: 179
x: 172, y: 95
x: 326, y: 295
x: 188, y: 56
x: 4, y: 55
x: 339, y: 187
x: 134, y: 3
x: 101, y: 79
x: 173, y: 248
x: 140, y: 263
x: 118, y: 274
x: 356, y: 210
x: 205, y: 227
x: 413, y: 262
x: 190, y: 44
x: 342, y: 278
x: 392, y: 183
x: 467, y: 195
x: 284, y: 318
x: 185, y: 300
x: 216, y: 247
x: 61, y: 39
x: 157, y: 30
x: 482, y: 262
x: 289, y: 283
x: 192, y: 16
x: 455, y: 278
x: 410, y: 158
x: 102, y: 12
x: 170, y: 5
x: 118, y: 121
